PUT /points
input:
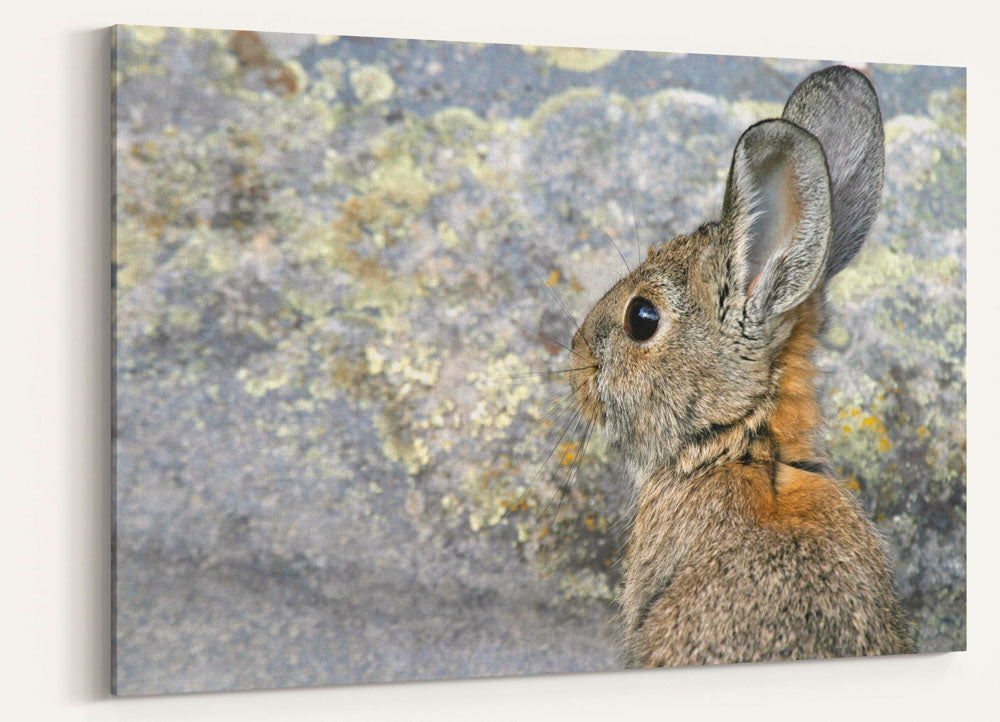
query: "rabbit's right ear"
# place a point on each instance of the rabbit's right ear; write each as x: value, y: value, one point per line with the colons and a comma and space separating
x: 776, y: 218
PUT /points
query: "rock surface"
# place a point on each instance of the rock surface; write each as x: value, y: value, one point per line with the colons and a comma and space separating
x: 337, y: 457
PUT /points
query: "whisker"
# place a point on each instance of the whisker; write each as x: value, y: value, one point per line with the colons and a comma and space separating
x: 548, y: 373
x: 561, y: 486
x: 559, y: 407
x: 574, y: 470
x: 564, y: 309
x: 635, y: 221
x: 556, y: 405
x: 565, y: 422
x: 583, y: 449
x: 547, y: 338
x: 570, y: 420
x: 497, y: 301
x: 608, y: 236
x: 561, y: 305
x: 620, y: 526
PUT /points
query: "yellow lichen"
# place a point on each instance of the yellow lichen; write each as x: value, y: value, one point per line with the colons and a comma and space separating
x: 567, y: 452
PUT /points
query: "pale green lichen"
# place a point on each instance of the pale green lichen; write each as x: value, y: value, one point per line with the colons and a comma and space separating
x: 493, y: 494
x: 135, y: 252
x: 551, y: 107
x: 258, y: 386
x: 580, y: 60
x: 460, y: 125
x: 751, y: 111
x: 147, y: 35
x: 372, y: 84
x: 795, y: 66
x: 586, y: 584
x: 401, y: 180
x: 896, y: 68
x: 413, y: 454
x: 880, y: 270
x: 330, y: 83
x: 838, y: 336
x: 410, y: 366
x: 902, y: 128
x: 682, y: 99
x: 449, y: 237
x: 948, y: 108
x: 500, y: 390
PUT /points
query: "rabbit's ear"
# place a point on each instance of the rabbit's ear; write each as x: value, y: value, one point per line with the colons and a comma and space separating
x: 777, y: 217
x: 838, y: 105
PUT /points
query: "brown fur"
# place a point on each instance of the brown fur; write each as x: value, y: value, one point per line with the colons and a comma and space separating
x: 742, y: 548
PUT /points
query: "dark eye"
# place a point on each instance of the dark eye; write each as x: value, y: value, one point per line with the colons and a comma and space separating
x: 641, y: 319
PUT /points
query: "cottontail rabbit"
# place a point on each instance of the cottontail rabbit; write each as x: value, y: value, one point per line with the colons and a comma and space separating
x: 743, y: 547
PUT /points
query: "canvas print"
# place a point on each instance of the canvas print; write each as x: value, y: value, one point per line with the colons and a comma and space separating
x: 439, y: 360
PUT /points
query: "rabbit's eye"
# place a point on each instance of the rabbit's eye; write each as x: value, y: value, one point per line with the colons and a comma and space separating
x: 641, y: 319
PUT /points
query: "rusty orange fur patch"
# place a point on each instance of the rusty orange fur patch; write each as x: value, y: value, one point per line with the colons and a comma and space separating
x: 797, y: 418
x: 794, y: 498
x: 797, y: 499
x: 805, y: 499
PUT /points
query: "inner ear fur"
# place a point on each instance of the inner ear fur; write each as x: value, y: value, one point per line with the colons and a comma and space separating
x: 777, y: 213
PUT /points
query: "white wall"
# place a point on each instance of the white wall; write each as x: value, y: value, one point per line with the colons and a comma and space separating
x: 54, y: 364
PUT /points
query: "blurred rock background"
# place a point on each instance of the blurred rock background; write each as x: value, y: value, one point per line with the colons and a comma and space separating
x: 338, y: 455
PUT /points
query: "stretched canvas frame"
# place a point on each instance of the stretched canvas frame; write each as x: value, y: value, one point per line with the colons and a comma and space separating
x: 335, y: 455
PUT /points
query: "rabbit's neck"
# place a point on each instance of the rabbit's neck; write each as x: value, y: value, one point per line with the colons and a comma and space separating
x: 785, y: 425
x: 796, y: 422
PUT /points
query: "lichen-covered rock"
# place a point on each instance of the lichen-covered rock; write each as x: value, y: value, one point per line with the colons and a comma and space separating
x: 343, y: 448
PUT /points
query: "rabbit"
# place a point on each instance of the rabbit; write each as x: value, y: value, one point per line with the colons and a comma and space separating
x: 698, y: 366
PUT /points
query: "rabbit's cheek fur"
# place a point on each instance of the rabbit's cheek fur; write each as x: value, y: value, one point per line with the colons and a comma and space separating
x: 639, y: 391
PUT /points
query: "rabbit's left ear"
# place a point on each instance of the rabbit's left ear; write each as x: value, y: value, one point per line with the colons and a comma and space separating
x: 776, y: 217
x: 839, y: 107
